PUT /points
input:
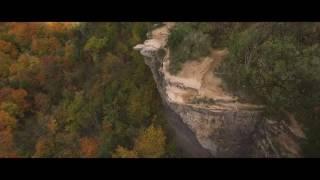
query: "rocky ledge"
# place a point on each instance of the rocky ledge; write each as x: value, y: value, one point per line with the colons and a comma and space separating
x: 222, y: 125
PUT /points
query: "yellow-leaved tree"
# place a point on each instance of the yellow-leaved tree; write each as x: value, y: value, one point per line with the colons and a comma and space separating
x: 122, y: 152
x: 149, y: 144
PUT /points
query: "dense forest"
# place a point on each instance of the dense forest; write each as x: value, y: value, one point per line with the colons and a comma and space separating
x: 78, y: 90
x: 275, y: 64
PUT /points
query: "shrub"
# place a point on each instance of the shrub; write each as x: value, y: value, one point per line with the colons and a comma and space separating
x: 186, y: 42
x: 279, y: 65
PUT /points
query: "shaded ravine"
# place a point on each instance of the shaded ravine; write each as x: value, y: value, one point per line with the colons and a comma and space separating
x: 185, y: 139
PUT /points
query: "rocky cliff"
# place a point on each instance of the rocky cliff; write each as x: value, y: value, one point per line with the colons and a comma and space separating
x: 221, y: 124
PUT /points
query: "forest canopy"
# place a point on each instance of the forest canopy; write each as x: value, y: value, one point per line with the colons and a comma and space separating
x: 77, y: 90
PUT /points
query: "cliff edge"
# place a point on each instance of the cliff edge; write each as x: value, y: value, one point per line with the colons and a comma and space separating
x: 221, y: 124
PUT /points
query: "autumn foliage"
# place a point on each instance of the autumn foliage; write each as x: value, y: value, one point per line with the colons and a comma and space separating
x: 89, y: 147
x: 7, y: 125
x: 77, y: 90
x: 149, y: 144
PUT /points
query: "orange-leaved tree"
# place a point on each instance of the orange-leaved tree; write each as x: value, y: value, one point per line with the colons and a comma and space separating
x: 89, y: 147
x: 7, y: 125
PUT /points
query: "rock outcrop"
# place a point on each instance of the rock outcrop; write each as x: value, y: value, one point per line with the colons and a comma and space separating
x: 221, y: 124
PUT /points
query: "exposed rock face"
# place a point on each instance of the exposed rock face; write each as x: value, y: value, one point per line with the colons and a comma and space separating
x: 222, y: 125
x: 276, y: 139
